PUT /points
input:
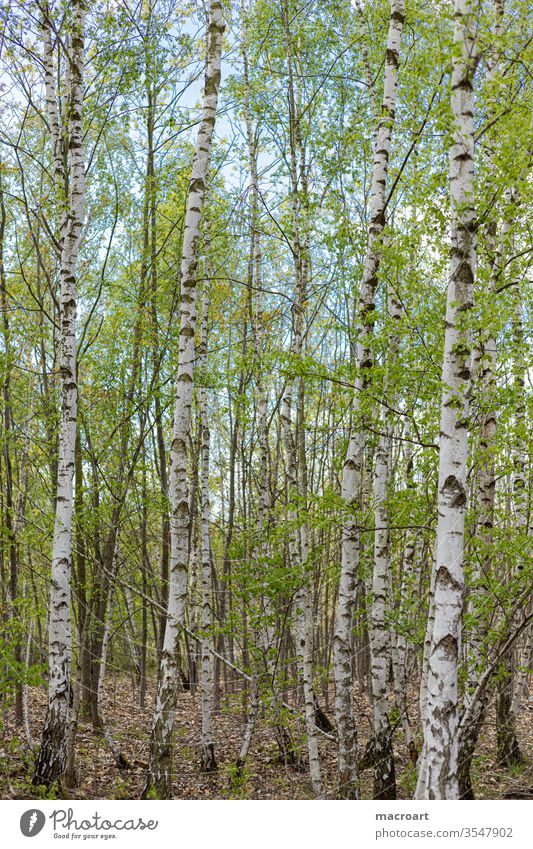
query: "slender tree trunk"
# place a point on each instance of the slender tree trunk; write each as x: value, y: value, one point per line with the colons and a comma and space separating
x: 510, y: 686
x: 84, y: 657
x: 296, y: 472
x: 9, y: 512
x: 207, y: 753
x: 144, y: 574
x: 226, y: 596
x: 265, y: 675
x: 438, y: 763
x: 127, y: 463
x: 150, y: 258
x: 403, y: 654
x: 353, y: 464
x: 120, y: 760
x: 25, y: 705
x: 380, y: 638
x: 52, y: 757
x: 159, y: 777
x: 473, y: 712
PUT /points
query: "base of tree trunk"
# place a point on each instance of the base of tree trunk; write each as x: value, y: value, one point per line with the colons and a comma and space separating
x: 159, y: 778
x: 207, y: 758
x: 52, y: 758
x: 347, y: 789
x: 379, y: 754
x: 322, y: 721
x: 508, y: 748
x: 509, y: 753
x: 413, y: 753
x: 71, y: 778
x: 85, y: 709
x: 466, y: 791
x: 468, y: 740
x: 288, y: 756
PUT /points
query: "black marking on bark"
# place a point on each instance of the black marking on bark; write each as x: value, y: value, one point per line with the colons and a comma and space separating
x: 454, y: 489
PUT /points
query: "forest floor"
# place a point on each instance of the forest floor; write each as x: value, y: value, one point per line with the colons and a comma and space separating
x: 263, y: 777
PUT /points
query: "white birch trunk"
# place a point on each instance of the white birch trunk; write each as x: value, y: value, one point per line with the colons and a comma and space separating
x: 159, y: 778
x: 250, y: 724
x: 353, y: 464
x: 512, y: 686
x: 264, y: 679
x: 474, y: 707
x: 438, y: 762
x: 255, y: 281
x: 521, y: 684
x: 303, y: 598
x: 365, y: 36
x: 483, y: 371
x: 296, y: 471
x: 103, y: 725
x: 484, y: 361
x: 403, y: 654
x: 25, y: 706
x: 423, y: 695
x: 207, y: 754
x: 53, y: 754
x: 380, y: 639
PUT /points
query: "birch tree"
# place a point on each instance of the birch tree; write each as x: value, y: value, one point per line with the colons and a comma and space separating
x: 159, y: 778
x: 353, y: 464
x: 294, y: 448
x: 483, y: 373
x: 70, y: 188
x: 438, y: 763
x: 380, y: 637
x: 512, y: 685
x: 7, y: 437
x: 207, y: 755
x: 329, y: 218
x: 264, y: 674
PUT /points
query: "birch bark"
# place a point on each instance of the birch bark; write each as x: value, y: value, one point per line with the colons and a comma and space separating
x: 159, y: 777
x: 473, y: 711
x: 353, y: 464
x: 207, y: 754
x: 264, y: 676
x: 438, y: 763
x: 380, y: 640
x: 296, y: 470
x: 52, y: 758
x: 510, y: 687
x: 403, y: 650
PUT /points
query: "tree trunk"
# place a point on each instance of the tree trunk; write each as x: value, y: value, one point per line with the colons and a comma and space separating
x: 9, y: 512
x: 52, y: 757
x: 510, y: 686
x: 159, y: 777
x: 403, y: 652
x: 207, y: 752
x: 380, y: 638
x: 482, y: 560
x: 353, y: 464
x: 438, y: 763
x: 296, y: 472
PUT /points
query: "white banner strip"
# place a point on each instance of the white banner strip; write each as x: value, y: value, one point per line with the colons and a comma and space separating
x: 276, y: 824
